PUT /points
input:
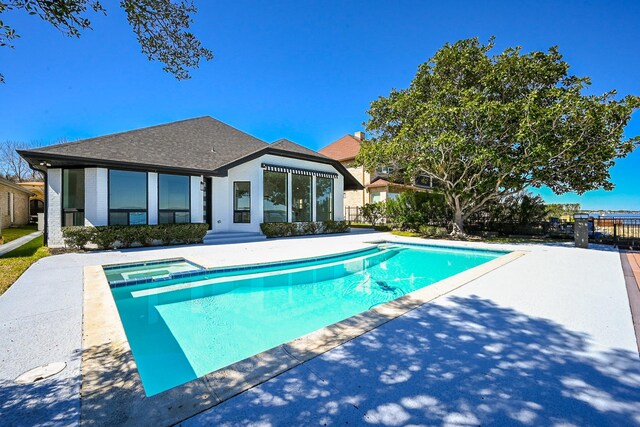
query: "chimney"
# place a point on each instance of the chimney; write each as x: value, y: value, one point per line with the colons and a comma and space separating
x: 359, y: 135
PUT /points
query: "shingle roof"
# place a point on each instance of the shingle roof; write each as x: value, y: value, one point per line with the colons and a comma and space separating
x: 14, y: 186
x: 201, y: 145
x: 184, y: 144
x: 287, y: 145
x: 345, y: 148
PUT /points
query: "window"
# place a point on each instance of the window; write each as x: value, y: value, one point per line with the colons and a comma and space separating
x: 275, y: 196
x: 173, y: 199
x: 127, y: 197
x: 384, y: 170
x: 72, y: 197
x: 301, y: 198
x: 324, y: 199
x: 241, y: 202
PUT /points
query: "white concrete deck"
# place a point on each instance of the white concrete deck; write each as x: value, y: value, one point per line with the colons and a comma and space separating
x: 545, y: 340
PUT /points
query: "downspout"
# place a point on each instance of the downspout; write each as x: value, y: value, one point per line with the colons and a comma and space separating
x: 46, y: 208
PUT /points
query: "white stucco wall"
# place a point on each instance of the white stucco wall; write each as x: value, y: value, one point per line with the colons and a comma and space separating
x: 252, y: 171
x: 96, y: 197
x: 196, y: 199
x: 152, y: 198
x: 54, y: 207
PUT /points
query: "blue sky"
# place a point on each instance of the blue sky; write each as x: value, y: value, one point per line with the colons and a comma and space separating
x: 303, y: 70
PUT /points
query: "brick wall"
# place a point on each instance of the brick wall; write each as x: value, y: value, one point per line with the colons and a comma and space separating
x: 54, y: 204
x: 20, y: 206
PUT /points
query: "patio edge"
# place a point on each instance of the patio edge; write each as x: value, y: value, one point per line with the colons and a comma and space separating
x: 112, y: 391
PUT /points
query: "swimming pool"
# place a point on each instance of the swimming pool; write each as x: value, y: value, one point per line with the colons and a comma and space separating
x: 131, y: 273
x: 181, y: 329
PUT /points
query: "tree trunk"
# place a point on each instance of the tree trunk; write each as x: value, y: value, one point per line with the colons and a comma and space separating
x: 458, y: 224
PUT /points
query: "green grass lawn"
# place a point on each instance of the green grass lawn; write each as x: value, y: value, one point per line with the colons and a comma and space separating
x: 13, y: 233
x: 16, y: 262
x: 406, y: 233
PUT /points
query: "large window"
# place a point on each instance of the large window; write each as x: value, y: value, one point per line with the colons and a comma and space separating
x: 241, y: 202
x: 324, y: 199
x: 173, y: 199
x: 72, y: 197
x: 301, y: 198
x: 275, y: 196
x: 127, y: 197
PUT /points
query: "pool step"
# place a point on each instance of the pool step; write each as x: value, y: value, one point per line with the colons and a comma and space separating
x: 224, y: 238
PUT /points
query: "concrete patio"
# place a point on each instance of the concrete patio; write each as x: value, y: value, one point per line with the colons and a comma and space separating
x: 547, y: 339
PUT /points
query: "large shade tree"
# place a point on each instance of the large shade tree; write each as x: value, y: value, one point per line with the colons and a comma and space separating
x: 484, y: 127
x: 161, y: 27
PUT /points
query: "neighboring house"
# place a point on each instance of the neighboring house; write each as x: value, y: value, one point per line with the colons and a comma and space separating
x: 36, y: 201
x: 198, y: 170
x: 378, y: 185
x: 14, y: 204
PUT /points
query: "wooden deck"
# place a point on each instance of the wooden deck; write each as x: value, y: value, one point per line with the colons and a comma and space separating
x: 634, y: 264
x: 631, y: 269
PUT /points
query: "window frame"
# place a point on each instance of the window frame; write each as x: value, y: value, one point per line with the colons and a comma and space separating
x: 332, y: 205
x: 241, y: 212
x: 311, y: 203
x: 286, y: 201
x: 172, y: 211
x: 74, y: 211
x: 129, y: 211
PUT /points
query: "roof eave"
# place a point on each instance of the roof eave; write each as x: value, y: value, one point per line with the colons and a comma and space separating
x: 35, y: 158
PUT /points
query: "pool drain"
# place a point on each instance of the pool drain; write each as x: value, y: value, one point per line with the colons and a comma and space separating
x: 41, y: 373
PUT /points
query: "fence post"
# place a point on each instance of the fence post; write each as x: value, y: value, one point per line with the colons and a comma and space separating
x: 581, y: 231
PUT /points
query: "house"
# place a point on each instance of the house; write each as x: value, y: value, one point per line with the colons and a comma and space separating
x: 14, y: 204
x: 198, y: 170
x: 378, y: 185
x: 36, y: 201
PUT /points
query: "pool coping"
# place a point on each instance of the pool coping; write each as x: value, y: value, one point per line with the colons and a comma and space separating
x: 112, y: 392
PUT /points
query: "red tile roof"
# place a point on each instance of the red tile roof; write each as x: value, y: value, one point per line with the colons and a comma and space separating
x: 345, y: 148
x: 378, y: 183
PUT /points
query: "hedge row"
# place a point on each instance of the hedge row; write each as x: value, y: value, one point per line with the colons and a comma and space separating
x: 285, y: 229
x: 123, y: 236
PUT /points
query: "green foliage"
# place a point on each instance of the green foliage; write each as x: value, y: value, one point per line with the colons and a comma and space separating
x: 119, y: 236
x: 432, y: 231
x: 161, y: 27
x: 77, y: 237
x: 486, y: 126
x: 520, y: 209
x: 286, y: 229
x: 373, y: 212
x: 515, y: 214
x: 411, y: 209
x: 308, y: 228
x: 558, y: 210
x: 331, y: 226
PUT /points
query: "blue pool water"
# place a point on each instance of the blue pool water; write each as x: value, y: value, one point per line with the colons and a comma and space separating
x: 184, y: 328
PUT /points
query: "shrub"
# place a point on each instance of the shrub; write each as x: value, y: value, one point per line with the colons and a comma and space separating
x: 373, y: 212
x: 119, y: 236
x: 77, y: 237
x: 412, y: 209
x: 308, y: 228
x: 285, y: 229
x: 432, y: 231
x: 330, y: 226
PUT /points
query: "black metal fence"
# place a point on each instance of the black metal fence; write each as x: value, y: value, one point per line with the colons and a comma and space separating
x: 623, y: 230
x: 353, y: 214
